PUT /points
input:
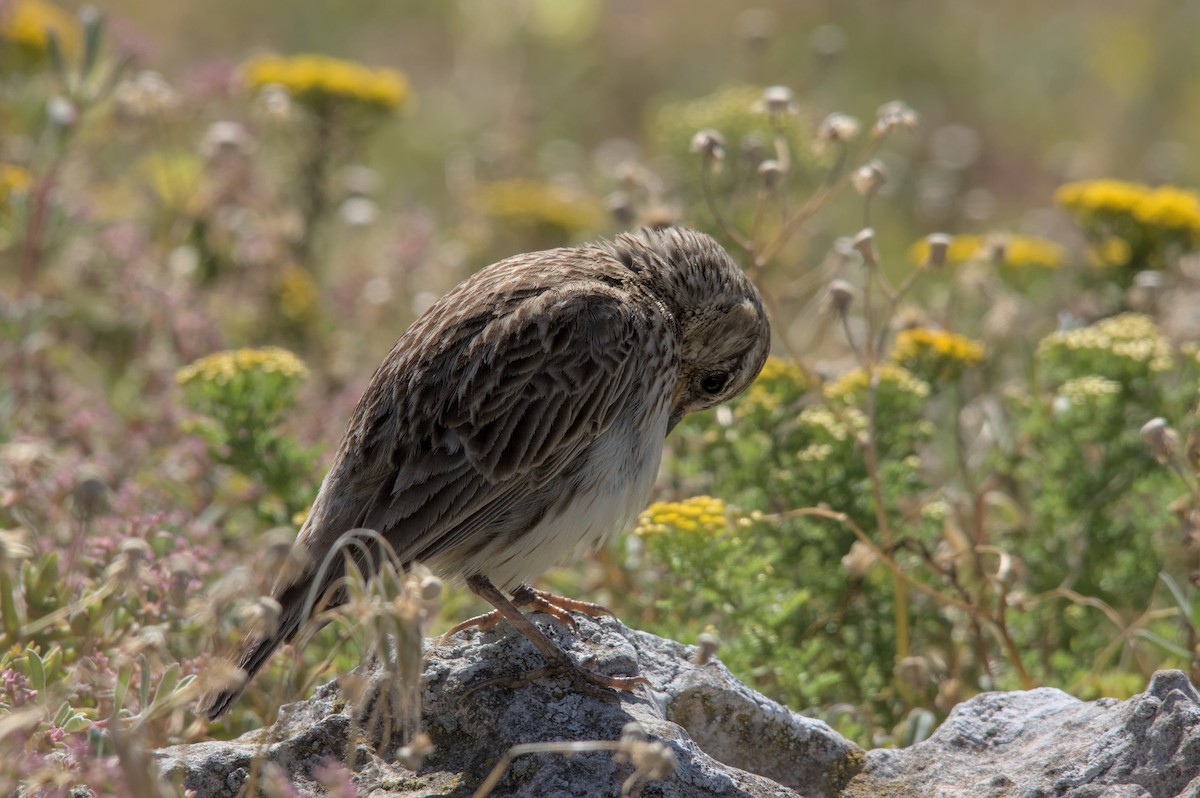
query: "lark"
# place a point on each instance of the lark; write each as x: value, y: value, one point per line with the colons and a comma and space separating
x: 521, y: 420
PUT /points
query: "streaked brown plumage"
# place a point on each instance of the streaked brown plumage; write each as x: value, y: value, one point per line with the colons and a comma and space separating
x: 521, y: 419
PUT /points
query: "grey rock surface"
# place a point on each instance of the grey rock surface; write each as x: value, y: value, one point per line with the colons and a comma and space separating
x: 727, y: 739
x: 1045, y: 743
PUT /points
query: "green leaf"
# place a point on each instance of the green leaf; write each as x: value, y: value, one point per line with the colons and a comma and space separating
x: 144, y: 690
x: 76, y: 723
x: 93, y: 32
x: 57, y: 62
x: 1189, y: 606
x: 124, y: 677
x: 62, y: 715
x: 8, y: 609
x: 1166, y: 645
x: 37, y: 673
x: 166, y: 683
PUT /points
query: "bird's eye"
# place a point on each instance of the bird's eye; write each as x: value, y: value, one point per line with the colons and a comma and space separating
x: 713, y: 384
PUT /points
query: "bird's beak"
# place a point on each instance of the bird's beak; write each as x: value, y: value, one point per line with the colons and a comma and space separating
x: 672, y: 420
x: 676, y: 411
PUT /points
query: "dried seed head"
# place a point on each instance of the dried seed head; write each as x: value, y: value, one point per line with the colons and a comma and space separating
x: 135, y: 550
x: 893, y: 115
x: 621, y: 208
x: 89, y: 499
x: 633, y: 732
x: 1158, y: 436
x: 864, y: 244
x: 914, y: 672
x: 180, y: 568
x: 779, y: 100
x: 709, y: 144
x: 869, y: 178
x: 837, y: 128
x: 431, y: 588
x: 859, y: 559
x: 62, y: 112
x: 226, y: 139
x: 657, y: 761
x: 753, y: 148
x: 771, y: 173
x: 413, y: 755
x: 707, y: 645
x: 939, y: 248
x: 840, y: 296
x: 755, y: 26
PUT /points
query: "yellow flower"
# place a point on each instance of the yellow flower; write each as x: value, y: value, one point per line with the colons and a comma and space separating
x: 853, y: 382
x: 780, y: 381
x: 1169, y: 208
x: 316, y: 80
x: 1081, y: 389
x: 1101, y: 196
x: 176, y: 180
x: 1007, y: 250
x: 1112, y: 251
x: 838, y: 426
x: 27, y: 24
x: 699, y: 513
x: 222, y: 367
x: 14, y: 180
x: 536, y: 202
x: 936, y: 354
x: 1130, y: 336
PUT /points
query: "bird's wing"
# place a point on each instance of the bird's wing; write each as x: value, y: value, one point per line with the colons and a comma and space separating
x: 512, y: 407
x: 453, y: 440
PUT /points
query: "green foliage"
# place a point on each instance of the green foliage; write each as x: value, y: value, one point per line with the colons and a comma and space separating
x: 245, y: 395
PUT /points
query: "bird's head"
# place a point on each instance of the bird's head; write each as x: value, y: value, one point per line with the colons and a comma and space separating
x: 723, y: 331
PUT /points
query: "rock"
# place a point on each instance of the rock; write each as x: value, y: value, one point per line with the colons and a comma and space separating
x: 1046, y: 743
x: 726, y: 739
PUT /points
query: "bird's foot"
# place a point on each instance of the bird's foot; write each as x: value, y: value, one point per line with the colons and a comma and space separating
x: 556, y: 606
x: 526, y: 597
x: 585, y: 680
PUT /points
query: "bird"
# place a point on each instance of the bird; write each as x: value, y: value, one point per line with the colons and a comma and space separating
x: 521, y: 420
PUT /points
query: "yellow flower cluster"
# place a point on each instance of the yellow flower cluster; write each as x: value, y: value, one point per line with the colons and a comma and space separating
x: 921, y: 341
x: 13, y: 180
x: 697, y: 514
x: 27, y: 25
x: 536, y: 202
x: 1081, y: 389
x: 936, y: 354
x: 316, y: 80
x: 834, y: 425
x: 1008, y: 250
x: 1129, y: 335
x: 1163, y: 208
x: 780, y: 381
x: 222, y: 367
x: 852, y: 382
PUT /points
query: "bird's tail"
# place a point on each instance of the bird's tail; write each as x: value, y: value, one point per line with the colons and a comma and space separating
x: 296, y: 601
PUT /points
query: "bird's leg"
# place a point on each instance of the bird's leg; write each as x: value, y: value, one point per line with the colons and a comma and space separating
x: 529, y: 597
x: 586, y: 681
x: 557, y: 606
